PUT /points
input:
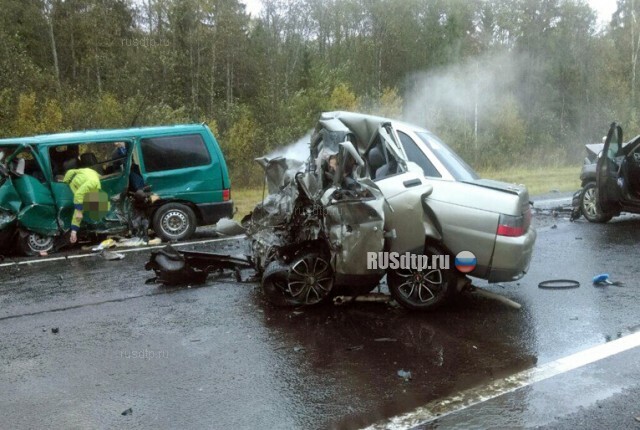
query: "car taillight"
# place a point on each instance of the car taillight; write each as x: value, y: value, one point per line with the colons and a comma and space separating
x: 226, y: 194
x: 514, y: 226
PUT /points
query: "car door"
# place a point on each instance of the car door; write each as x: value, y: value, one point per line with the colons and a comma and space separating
x: 607, y: 171
x: 403, y: 189
x: 38, y: 210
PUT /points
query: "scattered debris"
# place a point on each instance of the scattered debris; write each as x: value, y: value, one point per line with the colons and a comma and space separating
x: 637, y: 418
x: 105, y: 244
x: 371, y: 297
x: 578, y: 238
x: 55, y: 330
x: 110, y: 255
x: 127, y: 412
x: 355, y: 348
x: 553, y: 227
x: 603, y: 280
x: 385, y: 339
x: 43, y: 253
x: 404, y: 374
x: 558, y: 284
x: 299, y: 348
x: 132, y: 242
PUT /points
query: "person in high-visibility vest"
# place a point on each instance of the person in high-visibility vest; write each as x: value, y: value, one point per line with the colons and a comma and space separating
x: 81, y: 182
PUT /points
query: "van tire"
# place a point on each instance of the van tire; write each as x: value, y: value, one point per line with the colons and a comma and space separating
x: 32, y: 244
x: 174, y: 221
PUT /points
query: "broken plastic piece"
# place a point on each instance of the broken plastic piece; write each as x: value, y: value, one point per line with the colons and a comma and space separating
x: 603, y: 279
x: 404, y: 374
x: 110, y: 256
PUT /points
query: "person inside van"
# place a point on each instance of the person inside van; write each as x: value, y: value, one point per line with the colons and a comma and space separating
x: 81, y: 182
x: 135, y: 177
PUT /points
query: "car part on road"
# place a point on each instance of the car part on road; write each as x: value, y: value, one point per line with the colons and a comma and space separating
x: 369, y: 298
x: 173, y: 267
x: 558, y: 284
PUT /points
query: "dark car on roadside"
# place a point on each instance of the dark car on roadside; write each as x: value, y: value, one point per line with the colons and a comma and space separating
x: 610, y: 178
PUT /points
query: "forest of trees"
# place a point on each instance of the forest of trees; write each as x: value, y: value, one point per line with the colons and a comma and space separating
x: 502, y: 81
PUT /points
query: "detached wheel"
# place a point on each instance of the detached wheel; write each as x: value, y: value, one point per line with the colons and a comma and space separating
x: 589, y: 204
x: 174, y: 221
x: 32, y: 244
x: 308, y: 280
x: 422, y: 290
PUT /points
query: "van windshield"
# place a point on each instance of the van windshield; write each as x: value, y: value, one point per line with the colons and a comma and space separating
x: 456, y: 166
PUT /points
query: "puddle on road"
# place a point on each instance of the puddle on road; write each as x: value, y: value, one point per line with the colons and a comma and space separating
x: 360, y: 349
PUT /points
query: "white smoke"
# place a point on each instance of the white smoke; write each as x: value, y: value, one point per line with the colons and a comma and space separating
x: 295, y: 151
x: 473, y: 89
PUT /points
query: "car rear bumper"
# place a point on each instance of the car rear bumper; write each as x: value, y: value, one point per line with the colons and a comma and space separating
x: 211, y: 213
x: 511, y: 257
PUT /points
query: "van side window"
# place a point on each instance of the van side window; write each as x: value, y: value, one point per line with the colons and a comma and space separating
x: 174, y: 152
x: 417, y: 156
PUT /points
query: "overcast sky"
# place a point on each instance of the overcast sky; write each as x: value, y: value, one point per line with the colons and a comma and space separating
x: 605, y: 8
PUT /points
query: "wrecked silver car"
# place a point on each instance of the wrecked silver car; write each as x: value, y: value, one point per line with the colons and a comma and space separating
x: 372, y: 185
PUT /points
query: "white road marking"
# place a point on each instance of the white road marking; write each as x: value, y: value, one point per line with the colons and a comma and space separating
x: 137, y: 249
x: 465, y: 399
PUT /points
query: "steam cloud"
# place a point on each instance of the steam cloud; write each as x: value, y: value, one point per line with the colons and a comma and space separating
x: 484, y: 83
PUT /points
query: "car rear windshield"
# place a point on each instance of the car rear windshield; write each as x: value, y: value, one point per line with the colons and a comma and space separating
x: 456, y: 166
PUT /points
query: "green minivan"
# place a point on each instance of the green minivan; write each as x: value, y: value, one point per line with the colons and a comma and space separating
x: 182, y: 165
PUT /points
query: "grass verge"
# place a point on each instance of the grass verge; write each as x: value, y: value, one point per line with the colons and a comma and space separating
x: 540, y: 180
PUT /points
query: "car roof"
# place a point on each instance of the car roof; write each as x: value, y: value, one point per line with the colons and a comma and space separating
x: 102, y: 135
x: 364, y: 126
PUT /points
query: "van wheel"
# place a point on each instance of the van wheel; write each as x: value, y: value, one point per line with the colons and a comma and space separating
x: 174, y: 221
x: 422, y: 290
x: 31, y: 244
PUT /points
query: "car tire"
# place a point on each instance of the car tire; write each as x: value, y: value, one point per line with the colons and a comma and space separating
x: 589, y: 204
x: 33, y: 244
x: 308, y: 280
x: 174, y: 221
x: 422, y: 290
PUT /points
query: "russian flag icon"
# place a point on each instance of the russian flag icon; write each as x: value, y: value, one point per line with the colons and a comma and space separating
x: 465, y: 261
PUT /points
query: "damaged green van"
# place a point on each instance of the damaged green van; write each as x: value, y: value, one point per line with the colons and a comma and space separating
x: 182, y: 164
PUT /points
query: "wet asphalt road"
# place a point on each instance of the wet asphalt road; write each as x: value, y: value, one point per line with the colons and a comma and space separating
x: 219, y: 356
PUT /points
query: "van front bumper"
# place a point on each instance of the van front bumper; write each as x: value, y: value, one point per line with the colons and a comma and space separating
x: 212, y: 212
